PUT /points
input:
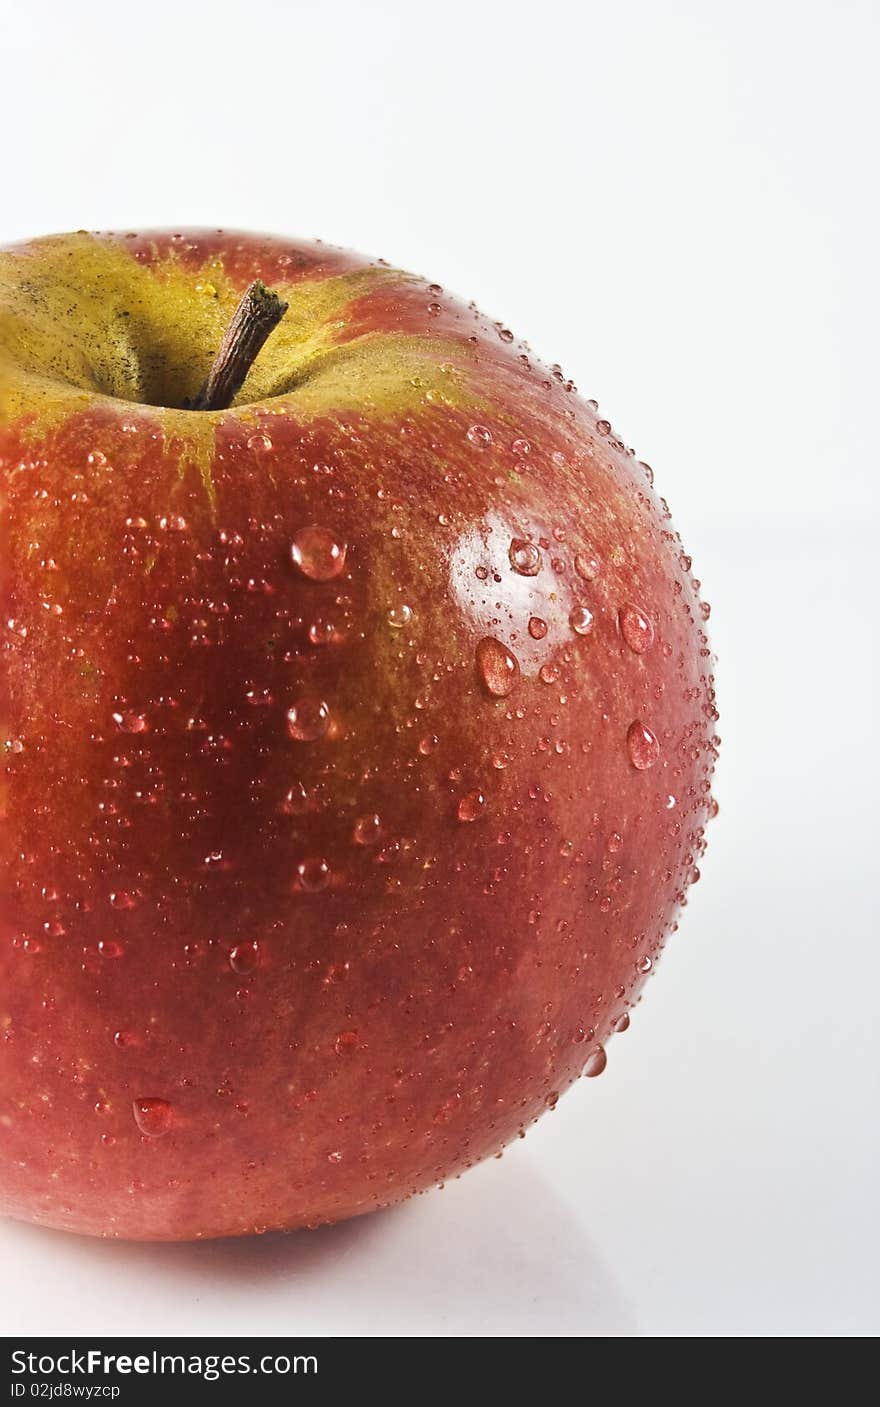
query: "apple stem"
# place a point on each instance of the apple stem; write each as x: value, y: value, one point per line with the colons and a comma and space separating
x: 257, y: 315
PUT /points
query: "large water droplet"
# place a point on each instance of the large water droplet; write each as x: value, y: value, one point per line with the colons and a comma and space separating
x: 595, y: 1062
x: 643, y: 747
x: 308, y: 720
x: 318, y: 553
x: 537, y: 628
x: 321, y: 632
x: 124, y: 899
x: 479, y: 435
x: 367, y: 830
x: 636, y: 628
x: 295, y: 802
x: 244, y: 957
x: 259, y: 440
x: 313, y: 875
x: 472, y: 806
x: 498, y: 667
x: 399, y: 616
x: 580, y: 618
x: 525, y: 557
x: 132, y: 722
x: 152, y: 1116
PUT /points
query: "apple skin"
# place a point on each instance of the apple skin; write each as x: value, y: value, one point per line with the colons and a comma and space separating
x: 358, y: 739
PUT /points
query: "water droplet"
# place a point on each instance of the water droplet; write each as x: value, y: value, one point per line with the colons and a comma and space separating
x: 525, y: 557
x: 109, y: 948
x: 595, y: 1062
x: 313, y: 875
x: 636, y: 628
x: 644, y: 965
x: 152, y: 1116
x: 537, y: 628
x: 399, y: 616
x: 335, y: 1157
x: 345, y: 1041
x: 548, y: 673
x: 308, y: 720
x: 321, y: 632
x: 498, y: 667
x: 479, y: 435
x: 295, y: 802
x: 131, y: 722
x: 644, y: 749
x: 318, y: 553
x: 472, y: 806
x: 124, y: 899
x: 244, y: 957
x: 587, y: 566
x: 580, y: 618
x: 622, y: 1023
x: 367, y: 830
x: 705, y: 610
x: 614, y: 842
x: 259, y: 441
x: 522, y: 448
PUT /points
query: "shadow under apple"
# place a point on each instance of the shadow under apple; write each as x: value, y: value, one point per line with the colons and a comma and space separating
x: 495, y: 1254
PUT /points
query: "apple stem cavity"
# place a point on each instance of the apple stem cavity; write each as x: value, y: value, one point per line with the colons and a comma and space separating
x: 258, y: 314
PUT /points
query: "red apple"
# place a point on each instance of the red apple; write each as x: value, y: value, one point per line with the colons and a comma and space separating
x: 358, y: 738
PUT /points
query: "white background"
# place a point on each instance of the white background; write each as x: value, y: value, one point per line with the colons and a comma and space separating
x: 678, y: 203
